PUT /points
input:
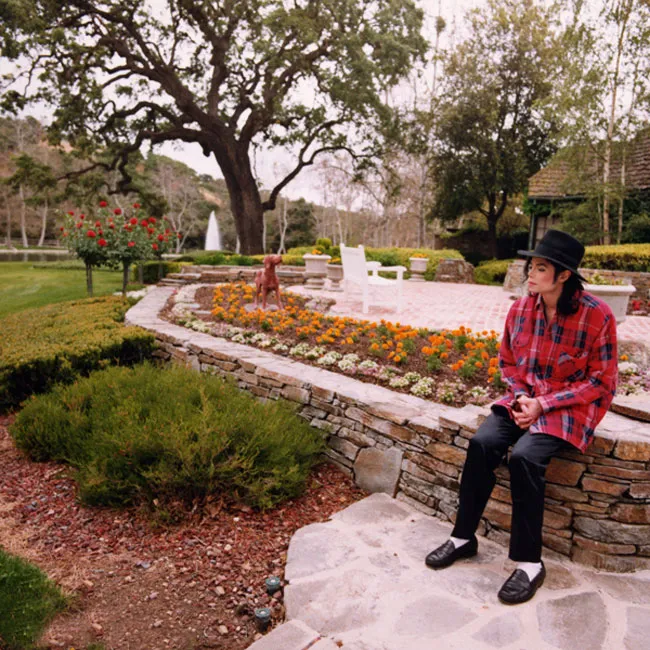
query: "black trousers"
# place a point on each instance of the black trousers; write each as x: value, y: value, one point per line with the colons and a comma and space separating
x: 530, y: 456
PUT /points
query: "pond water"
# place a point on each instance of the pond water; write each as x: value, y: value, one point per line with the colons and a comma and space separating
x: 34, y: 256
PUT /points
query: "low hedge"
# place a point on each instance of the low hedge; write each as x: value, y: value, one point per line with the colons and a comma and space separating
x: 398, y: 256
x: 60, y: 342
x: 492, y: 271
x: 154, y: 271
x: 622, y: 257
x: 159, y: 435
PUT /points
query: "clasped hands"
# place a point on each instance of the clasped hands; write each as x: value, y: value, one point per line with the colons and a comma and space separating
x: 525, y: 411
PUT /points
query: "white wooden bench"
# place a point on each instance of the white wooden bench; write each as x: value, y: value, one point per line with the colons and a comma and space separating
x: 355, y: 272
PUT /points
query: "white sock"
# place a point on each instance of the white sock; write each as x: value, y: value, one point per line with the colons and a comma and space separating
x: 458, y: 541
x: 531, y: 568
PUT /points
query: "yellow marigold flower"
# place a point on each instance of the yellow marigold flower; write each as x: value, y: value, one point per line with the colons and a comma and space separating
x: 478, y: 364
x: 623, y: 357
x: 444, y: 355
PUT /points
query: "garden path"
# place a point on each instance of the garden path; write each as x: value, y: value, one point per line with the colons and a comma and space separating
x: 359, y: 582
x: 440, y: 305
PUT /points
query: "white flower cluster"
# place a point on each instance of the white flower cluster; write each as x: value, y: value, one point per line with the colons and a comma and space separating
x: 280, y: 347
x: 368, y: 367
x: 412, y: 377
x: 448, y: 391
x: 200, y: 326
x: 315, y: 352
x: 386, y: 373
x: 349, y: 363
x: 423, y: 388
x: 299, y: 350
x: 478, y: 395
x: 238, y: 338
x: 329, y: 359
x: 399, y: 382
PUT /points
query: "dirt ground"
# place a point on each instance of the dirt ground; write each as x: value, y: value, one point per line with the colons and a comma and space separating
x: 137, y: 585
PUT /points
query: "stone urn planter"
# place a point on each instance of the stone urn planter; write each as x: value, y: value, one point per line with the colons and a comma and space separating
x: 335, y: 275
x: 615, y: 295
x: 418, y: 267
x: 315, y: 270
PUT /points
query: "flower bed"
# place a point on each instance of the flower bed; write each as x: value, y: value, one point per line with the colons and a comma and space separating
x: 454, y: 367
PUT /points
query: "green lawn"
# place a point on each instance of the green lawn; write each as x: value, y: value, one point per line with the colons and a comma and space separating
x: 28, y: 601
x: 23, y: 287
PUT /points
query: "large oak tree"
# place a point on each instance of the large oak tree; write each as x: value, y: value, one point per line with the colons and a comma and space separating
x: 226, y: 74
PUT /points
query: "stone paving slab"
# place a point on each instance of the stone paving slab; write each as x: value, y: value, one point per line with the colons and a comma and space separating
x: 359, y: 580
x: 441, y: 305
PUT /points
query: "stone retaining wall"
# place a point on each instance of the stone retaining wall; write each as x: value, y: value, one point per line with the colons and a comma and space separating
x: 287, y: 274
x: 598, y: 504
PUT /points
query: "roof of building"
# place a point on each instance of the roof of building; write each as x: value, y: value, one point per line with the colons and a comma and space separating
x: 563, y: 178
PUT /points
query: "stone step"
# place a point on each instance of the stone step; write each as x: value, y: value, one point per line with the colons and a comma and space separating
x: 184, y: 276
x: 171, y: 282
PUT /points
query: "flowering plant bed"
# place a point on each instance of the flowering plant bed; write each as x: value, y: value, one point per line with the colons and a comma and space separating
x: 453, y: 367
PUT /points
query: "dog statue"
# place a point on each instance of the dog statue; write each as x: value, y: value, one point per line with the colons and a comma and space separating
x: 266, y: 280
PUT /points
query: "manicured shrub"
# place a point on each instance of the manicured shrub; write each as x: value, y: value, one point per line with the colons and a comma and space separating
x: 154, y: 271
x: 144, y: 433
x: 624, y: 257
x: 394, y: 256
x: 491, y: 272
x: 57, y: 343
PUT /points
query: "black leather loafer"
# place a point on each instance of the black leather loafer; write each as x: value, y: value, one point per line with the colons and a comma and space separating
x: 518, y: 588
x: 447, y: 554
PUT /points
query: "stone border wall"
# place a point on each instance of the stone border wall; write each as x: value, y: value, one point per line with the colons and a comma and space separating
x: 598, y: 504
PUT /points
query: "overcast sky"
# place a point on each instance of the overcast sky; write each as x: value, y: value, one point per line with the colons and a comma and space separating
x: 271, y: 164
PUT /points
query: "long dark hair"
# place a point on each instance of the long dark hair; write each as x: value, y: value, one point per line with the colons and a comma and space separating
x: 569, y: 301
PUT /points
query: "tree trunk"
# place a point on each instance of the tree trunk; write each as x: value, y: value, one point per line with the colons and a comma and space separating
x: 492, y: 234
x: 125, y: 277
x: 621, y: 201
x: 283, y: 227
x: 8, y: 221
x: 89, y: 280
x: 23, y: 210
x: 263, y: 234
x: 245, y: 200
x: 41, y: 239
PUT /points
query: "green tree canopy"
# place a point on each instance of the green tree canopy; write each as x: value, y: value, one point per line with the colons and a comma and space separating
x: 226, y: 75
x: 496, y: 126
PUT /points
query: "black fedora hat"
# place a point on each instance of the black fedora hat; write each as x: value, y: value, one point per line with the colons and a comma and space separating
x: 561, y: 248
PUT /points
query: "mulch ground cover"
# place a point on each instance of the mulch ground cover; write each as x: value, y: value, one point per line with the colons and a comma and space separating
x: 137, y: 584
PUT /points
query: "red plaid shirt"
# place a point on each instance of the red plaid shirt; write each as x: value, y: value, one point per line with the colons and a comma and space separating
x: 570, y: 366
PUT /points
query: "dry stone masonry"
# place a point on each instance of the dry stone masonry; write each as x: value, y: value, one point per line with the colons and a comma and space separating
x: 598, y: 503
